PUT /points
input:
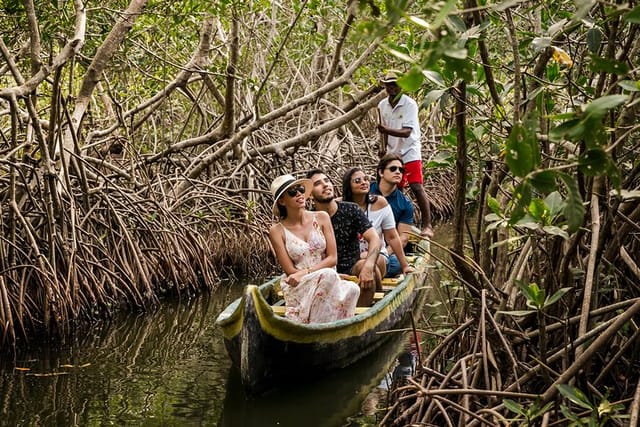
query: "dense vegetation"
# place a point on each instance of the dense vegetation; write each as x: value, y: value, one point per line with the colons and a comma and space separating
x: 139, y: 140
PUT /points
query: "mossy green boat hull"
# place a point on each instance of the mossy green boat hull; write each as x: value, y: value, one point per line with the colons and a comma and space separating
x: 270, y: 350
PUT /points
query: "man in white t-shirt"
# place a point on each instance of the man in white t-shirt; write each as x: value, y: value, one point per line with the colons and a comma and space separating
x: 400, y: 128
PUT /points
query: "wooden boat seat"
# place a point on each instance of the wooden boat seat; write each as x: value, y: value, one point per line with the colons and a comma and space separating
x: 280, y: 309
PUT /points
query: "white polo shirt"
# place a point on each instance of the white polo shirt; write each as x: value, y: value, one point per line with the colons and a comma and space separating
x: 403, y: 115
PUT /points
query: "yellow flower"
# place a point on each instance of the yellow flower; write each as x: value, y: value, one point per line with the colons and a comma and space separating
x: 562, y: 57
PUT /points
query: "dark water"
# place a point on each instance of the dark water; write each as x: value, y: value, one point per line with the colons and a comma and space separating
x: 169, y: 368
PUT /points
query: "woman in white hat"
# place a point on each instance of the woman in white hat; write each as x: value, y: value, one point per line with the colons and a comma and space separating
x: 305, y: 247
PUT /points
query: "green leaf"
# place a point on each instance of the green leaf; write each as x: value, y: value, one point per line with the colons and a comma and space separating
x: 517, y: 313
x: 630, y: 85
x: 447, y: 8
x: 556, y: 296
x: 571, y: 129
x: 593, y: 162
x: 582, y: 9
x: 456, y: 52
x: 434, y: 77
x: 611, y: 66
x: 600, y: 106
x: 532, y: 292
x: 513, y: 407
x: 555, y: 203
x: 633, y: 16
x: 457, y: 25
x: 494, y: 205
x: 553, y: 71
x: 493, y: 222
x: 594, y: 39
x: 433, y: 96
x: 575, y: 395
x: 536, y: 411
x: 442, y: 158
x: 505, y: 241
x: 523, y: 153
x: 539, y: 211
x: 411, y: 81
x: 529, y: 222
x: 401, y: 55
x: 538, y: 295
x: 574, y: 209
x: 418, y: 21
x: 555, y: 231
x: 459, y: 68
x: 521, y: 199
x: 544, y: 181
x: 568, y: 414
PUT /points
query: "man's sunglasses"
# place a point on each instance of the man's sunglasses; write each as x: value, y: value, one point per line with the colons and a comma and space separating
x: 294, y: 191
x: 396, y: 168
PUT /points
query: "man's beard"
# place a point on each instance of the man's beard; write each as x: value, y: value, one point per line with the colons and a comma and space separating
x: 324, y: 199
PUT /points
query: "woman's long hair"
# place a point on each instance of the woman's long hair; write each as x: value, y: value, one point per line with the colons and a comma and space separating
x: 347, y: 193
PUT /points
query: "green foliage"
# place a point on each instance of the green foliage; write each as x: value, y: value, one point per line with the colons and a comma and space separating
x: 536, y: 298
x: 601, y: 414
x: 529, y: 415
x: 633, y: 16
x: 523, y: 152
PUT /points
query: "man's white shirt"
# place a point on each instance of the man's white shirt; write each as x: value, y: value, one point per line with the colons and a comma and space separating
x: 404, y: 114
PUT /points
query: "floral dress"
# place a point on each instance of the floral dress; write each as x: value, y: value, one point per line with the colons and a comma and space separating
x: 321, y: 296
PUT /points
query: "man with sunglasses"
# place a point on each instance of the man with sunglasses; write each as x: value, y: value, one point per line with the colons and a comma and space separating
x: 389, y: 174
x: 349, y: 222
x: 400, y: 129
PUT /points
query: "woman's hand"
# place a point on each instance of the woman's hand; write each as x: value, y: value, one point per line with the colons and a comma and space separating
x: 295, y: 278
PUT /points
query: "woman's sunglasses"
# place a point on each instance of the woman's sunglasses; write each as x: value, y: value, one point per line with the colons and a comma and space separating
x: 396, y: 168
x: 294, y: 191
x: 359, y: 180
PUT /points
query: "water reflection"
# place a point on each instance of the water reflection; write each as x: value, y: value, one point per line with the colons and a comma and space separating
x: 168, y: 367
x: 327, y: 402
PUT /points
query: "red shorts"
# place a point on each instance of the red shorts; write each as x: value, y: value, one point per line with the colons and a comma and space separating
x: 412, y: 173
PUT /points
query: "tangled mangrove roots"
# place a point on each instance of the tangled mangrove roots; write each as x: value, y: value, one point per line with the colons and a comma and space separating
x: 81, y: 250
x: 502, y: 357
x: 135, y: 166
x: 81, y: 257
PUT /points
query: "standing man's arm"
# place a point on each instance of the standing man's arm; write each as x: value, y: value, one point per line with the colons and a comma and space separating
x: 400, y: 133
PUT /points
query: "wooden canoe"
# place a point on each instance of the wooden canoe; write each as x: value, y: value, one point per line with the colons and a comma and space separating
x: 270, y: 350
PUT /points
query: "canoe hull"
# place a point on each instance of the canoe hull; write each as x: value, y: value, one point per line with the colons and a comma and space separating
x: 271, y: 351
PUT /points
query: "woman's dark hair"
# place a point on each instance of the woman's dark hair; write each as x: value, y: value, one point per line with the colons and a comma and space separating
x: 384, y: 161
x: 282, y: 211
x: 347, y: 193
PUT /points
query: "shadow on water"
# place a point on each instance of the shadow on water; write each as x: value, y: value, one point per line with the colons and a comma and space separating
x: 168, y: 368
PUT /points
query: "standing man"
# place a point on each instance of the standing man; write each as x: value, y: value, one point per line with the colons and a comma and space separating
x: 400, y: 128
x: 349, y: 222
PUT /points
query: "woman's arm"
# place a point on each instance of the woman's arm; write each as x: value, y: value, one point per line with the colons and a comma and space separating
x: 276, y: 237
